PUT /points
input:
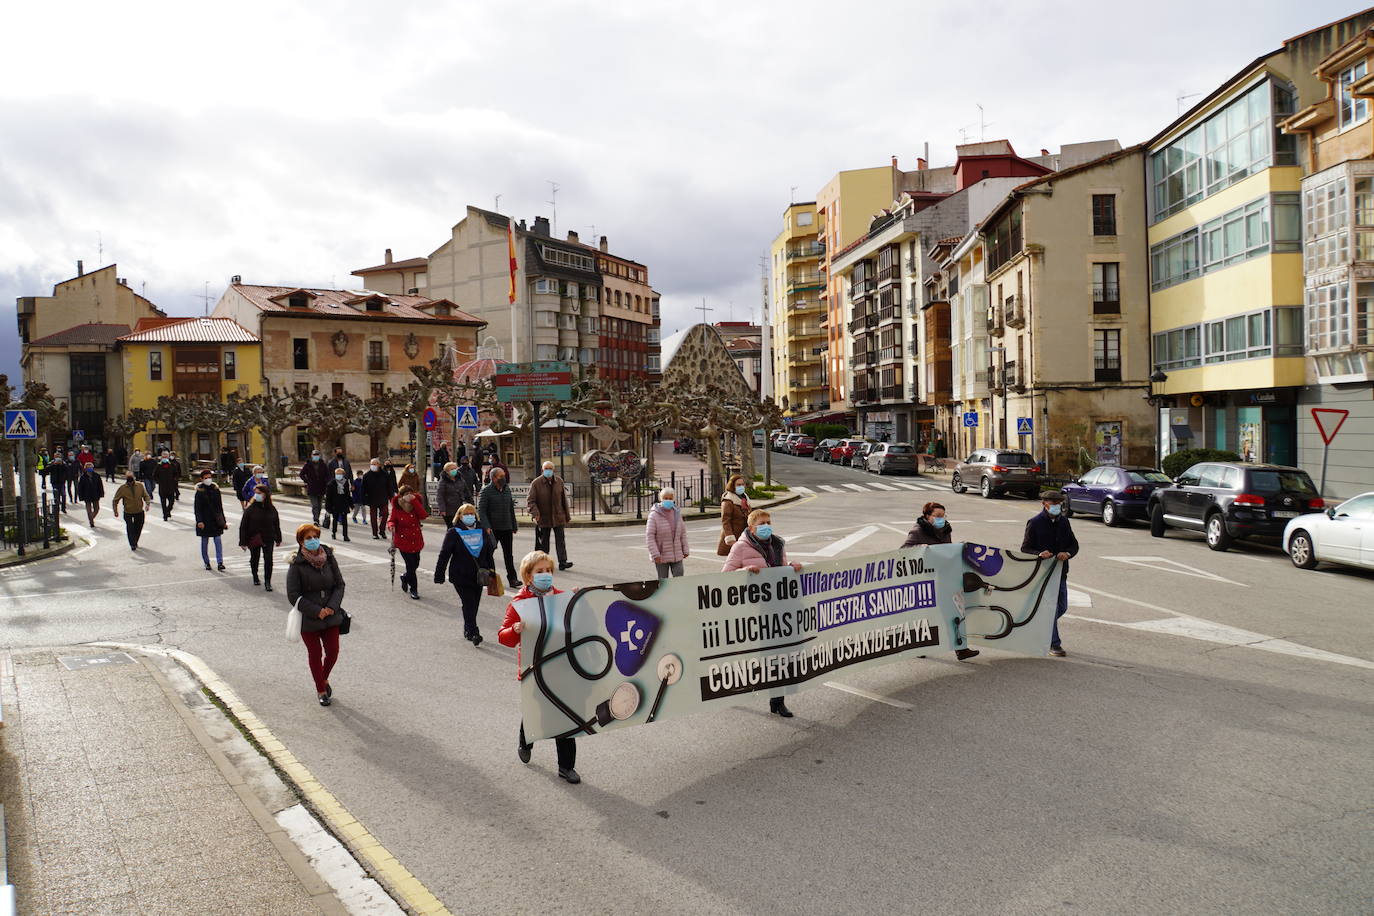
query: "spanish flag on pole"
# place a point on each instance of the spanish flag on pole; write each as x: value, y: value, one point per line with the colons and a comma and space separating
x: 510, y: 245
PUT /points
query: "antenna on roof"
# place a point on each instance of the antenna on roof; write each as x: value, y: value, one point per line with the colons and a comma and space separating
x: 983, y: 124
x: 793, y: 197
x: 1185, y: 96
x: 100, y: 249
x: 553, y: 196
x: 207, y: 298
x: 496, y: 207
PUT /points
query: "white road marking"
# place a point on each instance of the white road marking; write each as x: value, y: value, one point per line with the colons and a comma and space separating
x: 936, y: 487
x: 869, y: 695
x: 856, y: 486
x: 881, y: 486
x: 1079, y: 599
x: 835, y: 547
x: 909, y: 486
x: 829, y: 489
x: 805, y: 491
x: 1164, y: 565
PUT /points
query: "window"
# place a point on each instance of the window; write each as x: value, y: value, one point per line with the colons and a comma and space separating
x: 421, y: 279
x: 1107, y: 288
x: 1352, y: 109
x: 1174, y: 260
x: 231, y: 371
x: 561, y: 258
x: 1107, y: 355
x: 1233, y: 143
x: 1237, y: 236
x: 1104, y: 214
x: 805, y: 219
x: 1267, y: 224
x: 373, y: 305
x: 300, y: 352
x: 1004, y: 240
x: 1178, y: 348
x: 376, y: 358
x: 336, y: 390
x: 377, y: 390
x: 544, y: 285
x: 298, y: 301
x: 155, y: 365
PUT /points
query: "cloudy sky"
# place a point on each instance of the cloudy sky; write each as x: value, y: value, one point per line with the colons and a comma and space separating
x: 292, y: 143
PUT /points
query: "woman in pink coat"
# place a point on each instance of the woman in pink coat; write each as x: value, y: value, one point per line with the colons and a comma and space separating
x: 665, y: 535
x: 756, y: 548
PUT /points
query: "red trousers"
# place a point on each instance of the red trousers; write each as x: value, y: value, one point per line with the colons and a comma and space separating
x: 322, y: 649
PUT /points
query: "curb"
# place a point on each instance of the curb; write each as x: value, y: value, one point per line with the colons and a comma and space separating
x: 70, y: 544
x: 394, y: 877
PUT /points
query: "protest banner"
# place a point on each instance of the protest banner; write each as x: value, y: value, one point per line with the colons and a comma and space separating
x: 615, y: 655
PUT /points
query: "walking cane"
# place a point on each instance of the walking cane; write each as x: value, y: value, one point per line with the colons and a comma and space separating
x: 392, y: 550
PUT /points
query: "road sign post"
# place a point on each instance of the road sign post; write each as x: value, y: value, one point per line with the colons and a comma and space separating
x: 22, y: 427
x: 1024, y: 427
x: 1321, y: 416
x: 971, y: 419
x: 465, y: 417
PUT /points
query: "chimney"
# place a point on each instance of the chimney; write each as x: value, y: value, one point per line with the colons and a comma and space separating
x: 920, y: 164
x: 388, y: 256
x: 1044, y: 152
x: 605, y: 246
x: 541, y: 226
x: 80, y: 269
x: 894, y: 162
x: 572, y: 235
x: 236, y: 279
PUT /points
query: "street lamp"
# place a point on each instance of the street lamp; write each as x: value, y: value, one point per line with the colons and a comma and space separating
x: 1003, y: 430
x: 1158, y: 377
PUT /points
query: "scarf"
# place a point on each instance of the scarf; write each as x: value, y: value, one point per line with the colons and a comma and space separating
x: 341, y: 484
x: 317, y: 559
x: 770, y: 550
x: 935, y: 534
x: 473, y: 539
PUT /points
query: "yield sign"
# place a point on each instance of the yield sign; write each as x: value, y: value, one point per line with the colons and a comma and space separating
x: 1173, y: 566
x: 1338, y: 417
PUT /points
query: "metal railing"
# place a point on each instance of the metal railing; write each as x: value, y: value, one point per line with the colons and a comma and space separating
x: 621, y: 498
x: 40, y: 525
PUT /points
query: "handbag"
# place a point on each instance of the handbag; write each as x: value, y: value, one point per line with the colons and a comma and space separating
x: 495, y: 587
x: 255, y: 541
x: 347, y: 624
x: 293, y: 622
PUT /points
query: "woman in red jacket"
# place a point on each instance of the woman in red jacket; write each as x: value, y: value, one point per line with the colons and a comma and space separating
x: 536, y: 571
x: 403, y: 521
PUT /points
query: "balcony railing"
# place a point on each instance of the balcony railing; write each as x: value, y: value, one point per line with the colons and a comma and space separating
x: 1106, y: 299
x: 1016, y: 313
x: 889, y: 313
x: 861, y: 360
x: 995, y: 326
x: 887, y: 353
x: 801, y: 280
x: 865, y: 395
x: 1106, y: 370
x: 892, y: 392
x: 805, y: 251
x: 378, y: 363
x: 796, y: 331
x: 863, y: 322
x: 805, y: 305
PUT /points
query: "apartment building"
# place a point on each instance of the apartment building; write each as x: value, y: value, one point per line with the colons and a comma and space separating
x: 956, y: 299
x: 630, y: 344
x: 409, y: 276
x: 799, y: 324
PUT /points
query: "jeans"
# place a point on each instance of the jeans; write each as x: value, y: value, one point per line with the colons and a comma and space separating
x: 1059, y: 610
x: 205, y: 550
x: 148, y: 486
x: 566, y: 747
x: 59, y: 496
x: 505, y: 540
x: 541, y: 542
x: 316, y: 502
x: 266, y: 553
x: 322, y: 651
x: 412, y: 561
x: 471, y: 597
x: 664, y: 569
x: 377, y: 515
x: 133, y: 527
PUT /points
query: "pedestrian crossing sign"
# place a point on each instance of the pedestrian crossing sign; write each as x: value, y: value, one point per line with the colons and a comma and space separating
x: 467, y: 417
x: 21, y: 424
x: 1023, y: 426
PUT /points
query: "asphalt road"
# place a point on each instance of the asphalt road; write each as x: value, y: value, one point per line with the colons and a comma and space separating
x: 1204, y: 748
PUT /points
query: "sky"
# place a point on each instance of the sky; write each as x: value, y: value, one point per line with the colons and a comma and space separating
x: 293, y: 143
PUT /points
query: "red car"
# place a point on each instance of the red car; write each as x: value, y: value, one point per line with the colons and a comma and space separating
x: 844, y: 452
x: 806, y: 445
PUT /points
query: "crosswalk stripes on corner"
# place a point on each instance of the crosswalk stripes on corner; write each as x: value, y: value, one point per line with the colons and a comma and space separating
x: 856, y: 486
x: 829, y: 489
x: 804, y: 491
x: 881, y: 486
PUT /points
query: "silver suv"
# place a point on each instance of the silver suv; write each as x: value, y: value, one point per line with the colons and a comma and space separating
x: 995, y: 471
x: 891, y: 457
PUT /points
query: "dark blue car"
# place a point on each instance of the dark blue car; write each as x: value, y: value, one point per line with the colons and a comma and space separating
x: 1115, y: 493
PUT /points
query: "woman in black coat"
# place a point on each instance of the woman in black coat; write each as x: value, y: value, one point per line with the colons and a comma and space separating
x: 338, y: 502
x: 932, y: 528
x: 259, y: 532
x: 210, y: 523
x: 468, y: 558
x: 314, y: 579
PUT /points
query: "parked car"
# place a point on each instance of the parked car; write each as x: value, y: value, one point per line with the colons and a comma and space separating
x: 891, y: 457
x: 780, y: 441
x: 1226, y: 501
x: 791, y: 442
x: 861, y: 453
x: 823, y: 448
x: 1342, y: 534
x: 995, y: 471
x: 844, y: 451
x: 804, y: 446
x: 1115, y: 493
x: 759, y: 438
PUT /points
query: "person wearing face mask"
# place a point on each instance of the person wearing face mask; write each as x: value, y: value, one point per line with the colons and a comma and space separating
x: 359, y: 499
x: 665, y: 535
x: 242, y: 474
x: 496, y: 511
x: 734, y: 514
x: 1049, y: 534
x: 338, y: 500
x: 536, y: 574
x: 135, y: 500
x: 339, y: 461
x: 454, y: 491
x: 404, y: 523
x: 57, y: 475
x: 90, y: 491
x: 210, y: 523
x: 933, y: 528
x: 438, y: 461
x: 314, y: 579
x: 316, y: 478
x: 548, y: 506
x: 226, y: 463
x: 135, y: 462
x: 176, y: 473
x: 259, y: 478
x: 410, y: 479
x: 756, y: 548
x: 259, y: 532
x: 468, y: 560
x: 378, y: 488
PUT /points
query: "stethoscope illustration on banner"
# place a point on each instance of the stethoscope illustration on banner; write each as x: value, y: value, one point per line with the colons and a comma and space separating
x: 634, y: 629
x: 988, y: 561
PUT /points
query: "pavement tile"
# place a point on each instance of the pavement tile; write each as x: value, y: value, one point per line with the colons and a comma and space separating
x: 118, y: 905
x: 88, y: 887
x: 204, y: 898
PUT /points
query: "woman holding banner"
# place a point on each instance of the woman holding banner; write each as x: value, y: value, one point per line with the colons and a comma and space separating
x: 933, y: 528
x: 756, y: 548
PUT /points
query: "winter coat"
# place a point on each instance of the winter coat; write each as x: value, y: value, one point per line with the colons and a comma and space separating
x: 336, y: 462
x: 496, y: 508
x: 89, y: 488
x: 665, y: 535
x: 209, y: 508
x: 458, y: 564
x: 548, y: 502
x: 110, y: 462
x: 923, y: 532
x: 251, y: 484
x: 406, y: 525
x: 134, y: 498
x: 378, y: 487
x: 316, y: 477
x: 440, y: 457
x: 453, y: 493
x: 57, y: 471
x: 743, y: 553
x: 135, y: 462
x: 357, y: 484
x: 260, y: 519
x: 734, y: 518
x: 507, y: 636
x: 226, y: 462
x: 316, y: 589
x: 1048, y: 532
x: 240, y: 477
x: 166, y: 479
x: 338, y: 500
x: 412, y: 480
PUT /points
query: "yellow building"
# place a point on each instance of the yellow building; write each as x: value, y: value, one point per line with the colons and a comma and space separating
x: 190, y: 356
x: 797, y: 318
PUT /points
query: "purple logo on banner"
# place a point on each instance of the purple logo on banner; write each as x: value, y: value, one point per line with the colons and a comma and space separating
x: 634, y: 630
x: 987, y: 560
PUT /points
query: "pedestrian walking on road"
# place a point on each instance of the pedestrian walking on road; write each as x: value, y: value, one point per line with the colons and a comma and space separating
x: 111, y: 463
x: 548, y: 506
x: 177, y: 472
x: 259, y: 532
x: 316, y: 478
x: 468, y: 559
x: 734, y: 514
x: 756, y: 548
x: 259, y: 479
x: 404, y: 524
x: 378, y: 488
x: 166, y: 481
x: 314, y: 579
x: 210, y: 522
x: 496, y: 511
x: 454, y: 492
x: 136, y: 463
x: 933, y: 528
x: 226, y: 463
x: 410, y: 479
x: 242, y: 474
x: 135, y: 500
x: 57, y: 474
x: 339, y: 461
x: 338, y: 502
x: 665, y: 535
x: 1049, y: 534
x: 359, y: 498
x: 74, y: 467
x: 90, y: 491
x: 440, y: 459
x: 536, y: 574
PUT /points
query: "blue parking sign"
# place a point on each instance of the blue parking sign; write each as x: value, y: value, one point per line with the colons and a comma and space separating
x: 971, y: 418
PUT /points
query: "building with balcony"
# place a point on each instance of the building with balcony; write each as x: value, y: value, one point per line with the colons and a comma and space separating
x: 629, y: 343
x: 1226, y: 259
x: 797, y: 325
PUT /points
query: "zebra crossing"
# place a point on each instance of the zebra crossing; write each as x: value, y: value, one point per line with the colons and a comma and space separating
x: 889, y: 487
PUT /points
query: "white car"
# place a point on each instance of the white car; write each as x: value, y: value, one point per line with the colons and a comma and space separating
x: 1342, y: 534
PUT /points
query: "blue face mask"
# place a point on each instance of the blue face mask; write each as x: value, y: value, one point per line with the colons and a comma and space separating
x: 312, y: 544
x: 469, y: 520
x: 1054, y: 510
x: 542, y: 581
x: 938, y: 522
x: 668, y: 503
x: 739, y: 490
x: 548, y: 472
x: 764, y: 532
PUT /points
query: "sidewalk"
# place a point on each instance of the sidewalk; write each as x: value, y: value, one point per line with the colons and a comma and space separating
x: 117, y: 800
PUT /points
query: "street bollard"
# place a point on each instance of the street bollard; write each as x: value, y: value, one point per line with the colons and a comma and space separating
x: 639, y: 501
x: 701, y: 490
x: 592, y: 489
x: 47, y: 526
